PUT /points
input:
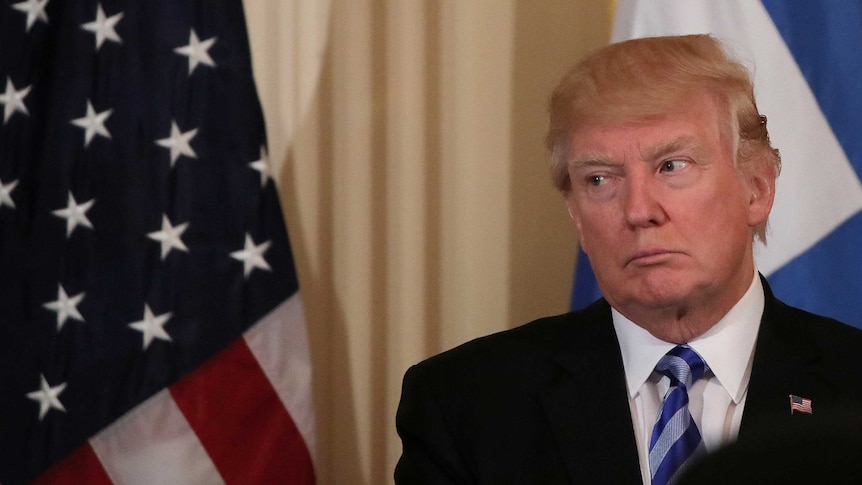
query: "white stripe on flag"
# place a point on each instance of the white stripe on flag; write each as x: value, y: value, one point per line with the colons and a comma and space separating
x: 815, y: 167
x: 154, y: 443
x: 279, y: 342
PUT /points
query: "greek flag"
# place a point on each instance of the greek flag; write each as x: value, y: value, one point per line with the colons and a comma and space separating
x: 807, y: 64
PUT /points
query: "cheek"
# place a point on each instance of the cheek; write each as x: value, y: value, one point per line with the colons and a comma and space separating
x: 719, y: 220
x: 596, y: 231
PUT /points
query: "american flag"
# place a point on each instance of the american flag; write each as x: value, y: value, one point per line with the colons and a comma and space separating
x: 800, y: 404
x: 151, y: 329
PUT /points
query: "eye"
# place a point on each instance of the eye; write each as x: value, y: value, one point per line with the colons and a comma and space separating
x: 673, y: 165
x: 596, y: 180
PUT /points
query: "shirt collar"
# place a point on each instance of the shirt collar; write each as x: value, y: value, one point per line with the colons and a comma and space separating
x: 641, y: 351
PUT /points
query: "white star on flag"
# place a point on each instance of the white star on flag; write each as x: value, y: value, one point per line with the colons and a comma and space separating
x: 13, y: 100
x: 47, y: 397
x: 35, y: 10
x: 169, y: 236
x: 103, y: 27
x: 93, y: 123
x: 179, y: 143
x: 152, y: 327
x: 6, y: 193
x: 75, y: 214
x: 252, y: 256
x: 196, y: 51
x: 262, y: 166
x: 65, y: 307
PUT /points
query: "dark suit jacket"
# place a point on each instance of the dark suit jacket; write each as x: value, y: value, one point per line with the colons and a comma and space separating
x: 546, y: 403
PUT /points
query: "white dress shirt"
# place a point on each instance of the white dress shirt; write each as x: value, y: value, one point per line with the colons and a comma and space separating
x: 716, y: 400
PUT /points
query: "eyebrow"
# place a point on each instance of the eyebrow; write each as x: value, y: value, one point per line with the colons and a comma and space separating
x: 651, y: 153
x: 674, y: 145
x: 592, y: 161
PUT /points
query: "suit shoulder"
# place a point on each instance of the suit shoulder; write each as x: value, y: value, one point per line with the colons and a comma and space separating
x: 819, y: 326
x: 522, y: 346
x: 839, y: 345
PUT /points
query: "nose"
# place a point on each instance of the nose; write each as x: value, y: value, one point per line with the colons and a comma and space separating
x: 643, y: 207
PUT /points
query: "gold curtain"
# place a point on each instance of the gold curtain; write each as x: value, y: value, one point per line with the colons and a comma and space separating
x: 406, y: 141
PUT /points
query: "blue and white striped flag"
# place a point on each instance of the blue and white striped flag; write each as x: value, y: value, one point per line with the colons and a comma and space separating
x: 807, y: 62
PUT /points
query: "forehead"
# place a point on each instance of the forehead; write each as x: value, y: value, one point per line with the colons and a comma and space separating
x: 696, y: 124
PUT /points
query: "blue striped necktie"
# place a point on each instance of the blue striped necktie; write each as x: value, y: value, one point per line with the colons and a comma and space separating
x: 675, y: 437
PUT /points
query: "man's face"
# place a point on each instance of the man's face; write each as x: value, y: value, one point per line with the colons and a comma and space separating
x: 662, y: 213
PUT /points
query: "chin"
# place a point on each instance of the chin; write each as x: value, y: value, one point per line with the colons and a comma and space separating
x: 661, y: 294
x: 656, y: 288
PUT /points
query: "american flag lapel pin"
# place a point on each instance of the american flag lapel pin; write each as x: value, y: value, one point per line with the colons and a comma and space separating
x: 800, y: 404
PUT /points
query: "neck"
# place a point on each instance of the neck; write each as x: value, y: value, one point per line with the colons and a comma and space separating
x: 681, y: 327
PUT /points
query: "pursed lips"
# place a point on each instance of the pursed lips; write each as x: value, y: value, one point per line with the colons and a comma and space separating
x: 651, y: 256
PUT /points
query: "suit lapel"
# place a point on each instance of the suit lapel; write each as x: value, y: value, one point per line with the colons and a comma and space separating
x: 786, y: 361
x: 588, y: 406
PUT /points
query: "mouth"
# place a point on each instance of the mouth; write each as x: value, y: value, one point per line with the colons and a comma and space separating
x: 650, y: 257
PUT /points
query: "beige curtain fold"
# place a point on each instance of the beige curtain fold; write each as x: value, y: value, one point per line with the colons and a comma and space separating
x: 406, y: 142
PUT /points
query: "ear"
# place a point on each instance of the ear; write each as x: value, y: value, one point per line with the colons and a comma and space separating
x: 761, y: 194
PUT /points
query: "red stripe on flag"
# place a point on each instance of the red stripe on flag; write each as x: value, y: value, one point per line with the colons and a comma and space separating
x: 82, y: 466
x: 241, y: 422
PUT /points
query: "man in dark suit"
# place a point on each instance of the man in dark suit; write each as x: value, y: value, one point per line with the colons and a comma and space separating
x: 668, y: 174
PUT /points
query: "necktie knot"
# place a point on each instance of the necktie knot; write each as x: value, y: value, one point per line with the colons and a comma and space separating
x: 682, y: 365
